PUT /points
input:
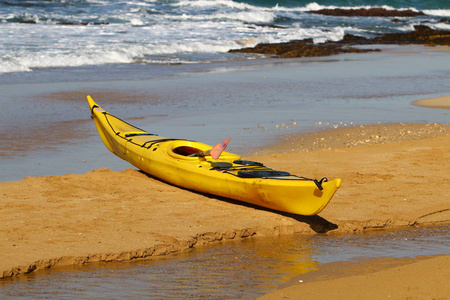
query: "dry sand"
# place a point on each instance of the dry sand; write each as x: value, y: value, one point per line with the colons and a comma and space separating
x: 115, y: 216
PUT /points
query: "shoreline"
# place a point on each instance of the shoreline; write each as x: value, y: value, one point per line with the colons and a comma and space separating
x: 74, y: 219
x: 345, y: 135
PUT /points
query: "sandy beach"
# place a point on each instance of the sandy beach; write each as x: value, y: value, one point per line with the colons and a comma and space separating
x: 394, y: 176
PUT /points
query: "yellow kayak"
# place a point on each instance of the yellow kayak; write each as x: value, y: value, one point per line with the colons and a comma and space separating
x: 187, y: 164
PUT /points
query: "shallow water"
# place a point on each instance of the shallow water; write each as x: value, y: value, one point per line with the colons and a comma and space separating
x: 230, y: 270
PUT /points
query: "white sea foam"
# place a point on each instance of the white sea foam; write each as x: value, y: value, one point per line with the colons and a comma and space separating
x: 55, y: 59
x: 251, y: 17
x: 441, y: 26
x: 217, y: 3
x: 437, y: 12
x: 314, y: 7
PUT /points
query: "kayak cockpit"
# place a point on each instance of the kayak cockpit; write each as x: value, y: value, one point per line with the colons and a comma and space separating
x: 190, y: 150
x: 186, y: 150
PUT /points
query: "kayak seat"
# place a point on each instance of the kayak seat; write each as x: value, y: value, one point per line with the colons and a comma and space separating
x: 186, y: 150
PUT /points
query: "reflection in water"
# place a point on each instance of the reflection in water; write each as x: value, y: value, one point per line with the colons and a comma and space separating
x: 233, y: 270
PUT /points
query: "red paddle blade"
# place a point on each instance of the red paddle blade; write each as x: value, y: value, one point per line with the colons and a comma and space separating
x: 217, y: 150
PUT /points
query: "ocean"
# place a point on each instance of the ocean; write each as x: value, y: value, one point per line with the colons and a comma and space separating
x: 36, y: 34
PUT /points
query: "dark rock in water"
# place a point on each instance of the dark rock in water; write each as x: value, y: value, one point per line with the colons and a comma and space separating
x: 353, y: 39
x: 300, y: 48
x: 422, y: 35
x: 265, y: 25
x: 28, y: 22
x: 371, y: 12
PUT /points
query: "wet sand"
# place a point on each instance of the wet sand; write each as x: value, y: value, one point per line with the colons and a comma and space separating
x: 438, y: 102
x: 394, y: 175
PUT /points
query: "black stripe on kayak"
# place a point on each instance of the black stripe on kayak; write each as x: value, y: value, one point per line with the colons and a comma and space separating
x: 92, y: 110
x: 262, y: 174
x: 153, y: 142
x: 139, y: 134
x: 248, y: 163
x: 272, y: 174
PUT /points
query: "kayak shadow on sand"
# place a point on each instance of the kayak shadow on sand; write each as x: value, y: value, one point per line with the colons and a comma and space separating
x: 316, y: 223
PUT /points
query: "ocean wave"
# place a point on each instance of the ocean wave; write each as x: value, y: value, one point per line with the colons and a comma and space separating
x: 216, y: 3
x: 437, y: 12
x: 314, y: 6
x: 431, y: 12
x: 92, y: 55
x: 54, y: 20
x: 310, y: 7
x: 30, y: 62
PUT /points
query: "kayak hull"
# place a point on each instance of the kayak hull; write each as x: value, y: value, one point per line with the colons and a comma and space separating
x: 175, y: 161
